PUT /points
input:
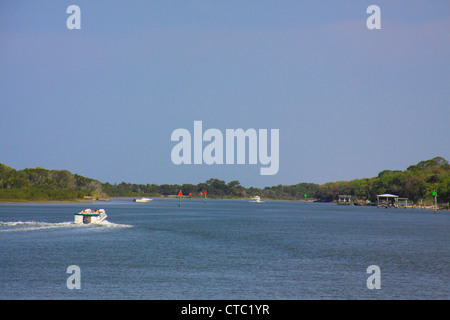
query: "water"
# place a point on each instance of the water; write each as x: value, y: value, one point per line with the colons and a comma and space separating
x: 223, y: 250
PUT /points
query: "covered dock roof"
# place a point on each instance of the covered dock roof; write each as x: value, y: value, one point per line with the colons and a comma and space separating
x: 387, y: 195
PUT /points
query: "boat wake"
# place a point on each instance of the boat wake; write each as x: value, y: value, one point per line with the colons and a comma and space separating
x: 34, y: 225
x: 106, y: 223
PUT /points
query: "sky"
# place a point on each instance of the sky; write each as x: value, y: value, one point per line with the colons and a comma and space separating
x: 102, y: 101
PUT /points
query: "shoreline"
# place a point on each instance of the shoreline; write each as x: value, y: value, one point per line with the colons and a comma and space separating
x: 18, y: 201
x: 9, y: 201
x: 86, y: 201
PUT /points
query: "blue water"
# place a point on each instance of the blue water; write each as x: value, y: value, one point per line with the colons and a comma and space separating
x: 223, y: 250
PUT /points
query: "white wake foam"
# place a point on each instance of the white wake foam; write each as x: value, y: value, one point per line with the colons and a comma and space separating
x: 34, y: 225
x: 106, y: 223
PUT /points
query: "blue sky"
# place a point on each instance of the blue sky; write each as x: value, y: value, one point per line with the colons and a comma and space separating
x: 103, y: 101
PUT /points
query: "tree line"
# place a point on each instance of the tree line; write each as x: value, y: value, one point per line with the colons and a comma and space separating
x: 416, y: 183
x: 43, y: 184
x: 215, y: 188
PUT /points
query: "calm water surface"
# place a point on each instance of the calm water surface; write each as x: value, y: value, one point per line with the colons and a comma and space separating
x: 223, y: 250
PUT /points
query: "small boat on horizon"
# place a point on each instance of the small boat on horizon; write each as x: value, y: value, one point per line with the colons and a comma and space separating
x: 142, y: 200
x: 88, y: 216
x: 256, y: 199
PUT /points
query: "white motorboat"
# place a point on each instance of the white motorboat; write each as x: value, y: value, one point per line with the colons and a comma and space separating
x: 256, y: 199
x: 142, y: 200
x: 88, y: 216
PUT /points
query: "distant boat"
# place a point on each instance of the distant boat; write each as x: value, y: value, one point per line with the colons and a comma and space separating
x: 88, y: 216
x: 256, y: 199
x: 142, y: 200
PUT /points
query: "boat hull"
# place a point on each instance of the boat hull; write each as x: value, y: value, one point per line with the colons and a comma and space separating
x: 142, y: 200
x: 89, y: 217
